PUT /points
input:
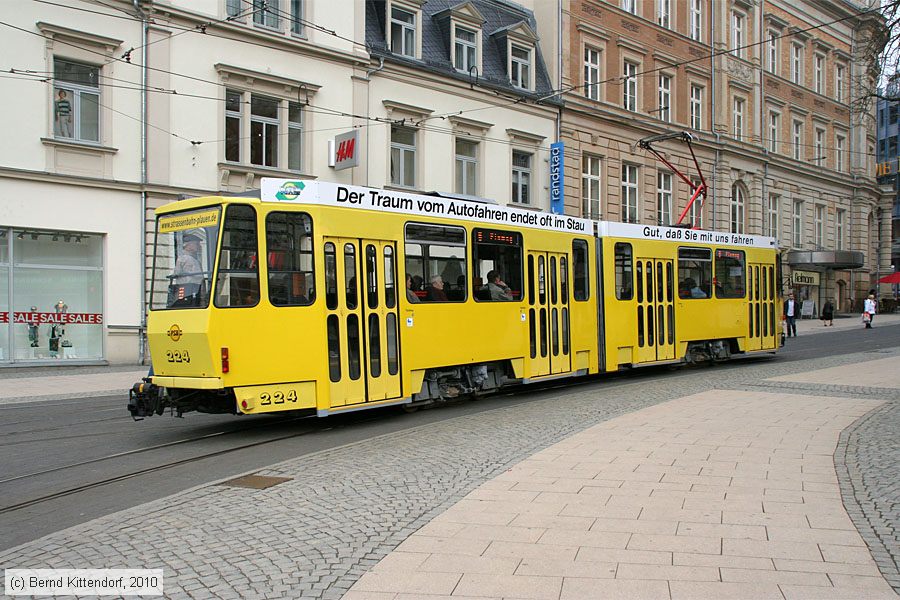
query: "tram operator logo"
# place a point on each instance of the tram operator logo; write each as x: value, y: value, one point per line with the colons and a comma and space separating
x: 174, y: 333
x: 290, y: 190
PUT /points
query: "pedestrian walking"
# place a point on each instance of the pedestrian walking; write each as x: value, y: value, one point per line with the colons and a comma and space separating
x: 869, y: 311
x: 790, y: 315
x: 828, y: 314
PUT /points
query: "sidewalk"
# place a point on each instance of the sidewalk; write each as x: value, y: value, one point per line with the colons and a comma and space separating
x: 843, y: 322
x: 722, y: 494
x: 44, y: 385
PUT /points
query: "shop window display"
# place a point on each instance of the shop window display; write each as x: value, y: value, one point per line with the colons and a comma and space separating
x: 54, y: 308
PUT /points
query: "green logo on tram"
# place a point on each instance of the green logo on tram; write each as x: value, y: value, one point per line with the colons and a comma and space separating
x: 290, y: 190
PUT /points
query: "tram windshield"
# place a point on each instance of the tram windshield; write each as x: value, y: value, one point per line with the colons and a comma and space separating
x: 183, y: 258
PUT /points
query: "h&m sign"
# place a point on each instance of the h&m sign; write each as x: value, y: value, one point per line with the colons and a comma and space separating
x: 345, y: 151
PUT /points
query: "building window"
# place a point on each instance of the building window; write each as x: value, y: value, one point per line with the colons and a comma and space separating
x: 520, y: 67
x: 263, y: 131
x: 772, y: 62
x: 629, y: 90
x: 770, y: 223
x: 466, y: 167
x: 696, y: 212
x: 233, y: 126
x: 839, y: 83
x: 270, y: 119
x: 295, y: 136
x: 521, y: 177
x: 697, y: 20
x: 738, y: 118
x: 797, y: 232
x: 591, y: 73
x: 665, y: 98
x: 820, y: 226
x: 76, y: 101
x: 738, y: 24
x: 798, y: 139
x: 664, y: 198
x: 664, y: 13
x: 797, y: 64
x: 820, y: 146
x: 839, y: 229
x: 465, y: 49
x: 774, y: 124
x: 819, y: 73
x: 403, y: 32
x: 630, y: 6
x: 403, y: 156
x: 737, y: 208
x: 696, y: 107
x: 296, y: 16
x: 265, y: 13
x: 590, y: 187
x: 233, y: 8
x: 629, y: 194
x: 839, y: 142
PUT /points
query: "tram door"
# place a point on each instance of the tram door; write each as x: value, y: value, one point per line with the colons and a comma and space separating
x: 548, y: 313
x: 655, y: 289
x: 761, y: 331
x: 361, y: 321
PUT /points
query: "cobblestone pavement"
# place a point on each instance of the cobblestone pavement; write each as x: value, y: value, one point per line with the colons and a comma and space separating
x: 346, y: 508
x: 868, y: 466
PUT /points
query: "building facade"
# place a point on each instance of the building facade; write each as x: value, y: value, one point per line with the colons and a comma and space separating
x: 768, y: 95
x: 120, y: 107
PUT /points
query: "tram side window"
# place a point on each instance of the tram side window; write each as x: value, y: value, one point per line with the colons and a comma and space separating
x: 290, y: 259
x: 729, y: 274
x: 694, y: 272
x: 436, y: 262
x: 496, y: 265
x: 624, y: 272
x: 580, y: 272
x: 237, y: 281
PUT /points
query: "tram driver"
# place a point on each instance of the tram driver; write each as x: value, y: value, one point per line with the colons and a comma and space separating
x: 187, y: 277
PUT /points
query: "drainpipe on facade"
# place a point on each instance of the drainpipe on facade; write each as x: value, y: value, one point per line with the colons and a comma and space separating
x: 369, y: 74
x: 143, y: 252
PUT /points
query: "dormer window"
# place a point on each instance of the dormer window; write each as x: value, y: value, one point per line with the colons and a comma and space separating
x: 465, y: 49
x: 403, y: 32
x: 520, y: 67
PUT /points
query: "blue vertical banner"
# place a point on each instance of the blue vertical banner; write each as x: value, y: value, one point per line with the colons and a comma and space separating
x: 557, y: 199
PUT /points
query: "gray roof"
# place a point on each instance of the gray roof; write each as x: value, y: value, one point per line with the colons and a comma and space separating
x: 499, y: 15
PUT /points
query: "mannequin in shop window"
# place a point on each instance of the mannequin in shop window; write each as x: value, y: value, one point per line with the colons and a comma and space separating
x: 34, y: 328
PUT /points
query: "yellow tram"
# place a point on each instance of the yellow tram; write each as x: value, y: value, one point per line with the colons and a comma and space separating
x: 330, y: 298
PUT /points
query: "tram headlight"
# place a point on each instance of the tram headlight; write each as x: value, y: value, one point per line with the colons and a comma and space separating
x: 225, y: 365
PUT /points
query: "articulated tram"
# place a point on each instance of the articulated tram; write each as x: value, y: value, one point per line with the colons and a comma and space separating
x: 329, y: 298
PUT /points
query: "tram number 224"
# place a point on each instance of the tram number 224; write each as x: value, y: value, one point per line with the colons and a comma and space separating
x: 178, y: 356
x: 277, y: 397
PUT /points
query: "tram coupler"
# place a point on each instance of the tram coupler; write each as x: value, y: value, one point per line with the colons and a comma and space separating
x: 145, y: 400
